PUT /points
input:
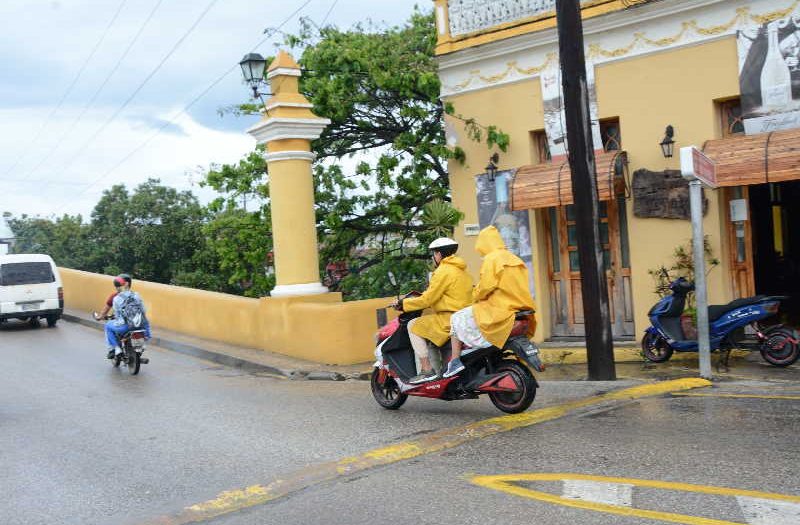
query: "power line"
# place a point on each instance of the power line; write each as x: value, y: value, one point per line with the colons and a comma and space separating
x: 136, y: 91
x: 171, y: 120
x: 69, y: 89
x: 91, y: 101
x: 322, y: 24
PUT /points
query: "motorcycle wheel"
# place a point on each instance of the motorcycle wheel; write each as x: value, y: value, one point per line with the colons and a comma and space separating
x: 387, y: 394
x: 133, y: 362
x: 515, y: 402
x: 778, y: 350
x: 655, y: 348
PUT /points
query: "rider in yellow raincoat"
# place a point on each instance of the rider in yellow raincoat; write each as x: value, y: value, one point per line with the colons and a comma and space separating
x: 502, y: 291
x: 450, y: 290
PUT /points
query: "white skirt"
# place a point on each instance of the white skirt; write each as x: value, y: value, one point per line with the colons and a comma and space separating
x: 464, y: 327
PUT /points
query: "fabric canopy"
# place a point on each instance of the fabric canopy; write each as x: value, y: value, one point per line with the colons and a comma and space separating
x: 756, y: 159
x: 550, y: 184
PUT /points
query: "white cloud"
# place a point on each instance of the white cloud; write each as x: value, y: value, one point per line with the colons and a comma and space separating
x: 43, y: 50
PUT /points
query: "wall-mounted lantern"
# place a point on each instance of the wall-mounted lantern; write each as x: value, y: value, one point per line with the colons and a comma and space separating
x: 491, y: 168
x: 667, y: 144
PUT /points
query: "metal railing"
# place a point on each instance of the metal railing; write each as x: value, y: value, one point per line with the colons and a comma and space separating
x: 469, y: 16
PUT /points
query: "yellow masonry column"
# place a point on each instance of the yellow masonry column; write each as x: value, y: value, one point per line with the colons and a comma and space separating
x: 288, y: 127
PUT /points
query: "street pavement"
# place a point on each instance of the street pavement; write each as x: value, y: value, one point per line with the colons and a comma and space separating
x: 81, y: 442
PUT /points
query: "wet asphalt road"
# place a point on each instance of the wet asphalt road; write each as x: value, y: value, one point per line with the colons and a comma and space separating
x: 83, y: 443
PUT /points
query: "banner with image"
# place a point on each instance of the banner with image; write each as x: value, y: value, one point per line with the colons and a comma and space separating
x: 769, y: 75
x: 554, y: 117
x: 514, y: 226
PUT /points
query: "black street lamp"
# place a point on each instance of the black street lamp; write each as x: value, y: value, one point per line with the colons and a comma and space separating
x: 253, y: 66
x: 667, y: 144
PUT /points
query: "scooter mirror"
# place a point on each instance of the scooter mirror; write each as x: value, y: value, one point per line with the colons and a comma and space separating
x: 392, y: 279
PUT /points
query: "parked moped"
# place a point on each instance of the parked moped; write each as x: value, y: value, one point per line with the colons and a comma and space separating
x: 726, y: 323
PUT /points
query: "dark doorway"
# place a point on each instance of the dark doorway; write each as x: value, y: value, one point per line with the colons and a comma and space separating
x: 775, y: 211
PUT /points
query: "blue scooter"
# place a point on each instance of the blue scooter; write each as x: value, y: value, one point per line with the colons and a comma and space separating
x: 726, y: 323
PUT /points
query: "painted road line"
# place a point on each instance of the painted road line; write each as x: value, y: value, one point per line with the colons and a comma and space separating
x: 744, y: 396
x: 758, y: 511
x: 619, y: 494
x: 758, y: 508
x: 236, y: 500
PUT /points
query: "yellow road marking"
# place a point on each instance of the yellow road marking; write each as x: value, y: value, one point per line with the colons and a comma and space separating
x: 745, y: 396
x: 235, y: 500
x: 504, y: 483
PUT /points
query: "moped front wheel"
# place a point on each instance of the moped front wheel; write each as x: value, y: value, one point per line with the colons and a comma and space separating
x: 385, y: 390
x: 655, y: 348
x: 779, y: 348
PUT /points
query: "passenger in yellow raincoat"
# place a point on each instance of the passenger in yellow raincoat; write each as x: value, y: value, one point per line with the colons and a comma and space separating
x: 502, y: 291
x: 450, y: 290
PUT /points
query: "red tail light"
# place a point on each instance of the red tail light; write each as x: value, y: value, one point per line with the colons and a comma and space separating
x: 60, y: 297
x: 137, y: 335
x: 772, y: 308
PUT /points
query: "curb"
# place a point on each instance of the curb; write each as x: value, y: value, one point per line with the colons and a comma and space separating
x: 225, y: 359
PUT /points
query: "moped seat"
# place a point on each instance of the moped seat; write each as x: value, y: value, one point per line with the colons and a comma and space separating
x: 715, y: 311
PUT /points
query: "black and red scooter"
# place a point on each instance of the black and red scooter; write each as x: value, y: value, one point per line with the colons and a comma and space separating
x: 502, y: 373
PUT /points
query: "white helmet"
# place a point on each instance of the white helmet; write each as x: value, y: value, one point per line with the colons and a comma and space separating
x: 441, y: 242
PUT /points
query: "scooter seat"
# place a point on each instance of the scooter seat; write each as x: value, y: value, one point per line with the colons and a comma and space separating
x: 715, y: 311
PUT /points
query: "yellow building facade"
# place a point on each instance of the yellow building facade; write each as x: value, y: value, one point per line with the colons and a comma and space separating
x: 652, y: 64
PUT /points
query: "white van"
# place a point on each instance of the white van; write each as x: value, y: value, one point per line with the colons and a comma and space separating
x: 30, y: 288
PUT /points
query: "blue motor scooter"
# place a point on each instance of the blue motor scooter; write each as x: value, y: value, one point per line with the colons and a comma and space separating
x: 726, y: 324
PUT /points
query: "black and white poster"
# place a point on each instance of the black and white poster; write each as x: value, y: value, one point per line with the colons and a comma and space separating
x: 769, y: 75
x: 514, y: 226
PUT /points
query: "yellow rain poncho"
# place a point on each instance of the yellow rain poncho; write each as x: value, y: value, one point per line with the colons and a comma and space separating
x: 450, y: 290
x: 502, y: 290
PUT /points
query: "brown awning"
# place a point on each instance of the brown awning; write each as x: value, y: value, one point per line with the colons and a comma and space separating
x: 756, y: 159
x: 550, y: 184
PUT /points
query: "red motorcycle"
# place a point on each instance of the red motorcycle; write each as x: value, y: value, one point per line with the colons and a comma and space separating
x: 502, y: 373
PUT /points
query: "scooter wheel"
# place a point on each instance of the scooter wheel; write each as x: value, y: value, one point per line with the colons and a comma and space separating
x: 655, y: 348
x: 778, y: 349
x: 386, y: 393
x: 515, y: 402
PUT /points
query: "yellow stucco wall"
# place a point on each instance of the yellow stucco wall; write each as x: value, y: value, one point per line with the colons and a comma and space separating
x: 646, y: 93
x: 517, y: 108
x: 319, y: 328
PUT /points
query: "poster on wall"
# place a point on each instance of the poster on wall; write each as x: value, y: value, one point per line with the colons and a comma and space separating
x: 514, y: 226
x: 769, y: 75
x: 555, y: 118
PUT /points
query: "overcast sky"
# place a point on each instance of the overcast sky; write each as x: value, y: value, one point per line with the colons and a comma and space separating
x: 65, y: 136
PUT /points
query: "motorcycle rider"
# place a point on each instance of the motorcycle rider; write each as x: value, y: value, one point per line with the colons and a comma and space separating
x: 450, y: 289
x: 115, y: 327
x: 502, y: 291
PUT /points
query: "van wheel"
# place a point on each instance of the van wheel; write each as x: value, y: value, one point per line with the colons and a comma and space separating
x: 34, y: 322
x: 51, y: 321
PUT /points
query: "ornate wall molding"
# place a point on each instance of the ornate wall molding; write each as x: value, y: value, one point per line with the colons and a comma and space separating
x: 660, y: 26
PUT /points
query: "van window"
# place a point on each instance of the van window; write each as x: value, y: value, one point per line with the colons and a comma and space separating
x: 26, y: 273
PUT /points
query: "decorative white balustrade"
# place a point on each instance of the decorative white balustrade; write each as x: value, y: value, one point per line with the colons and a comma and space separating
x: 468, y: 16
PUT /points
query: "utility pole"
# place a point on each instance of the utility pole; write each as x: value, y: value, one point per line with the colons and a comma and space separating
x: 597, y: 322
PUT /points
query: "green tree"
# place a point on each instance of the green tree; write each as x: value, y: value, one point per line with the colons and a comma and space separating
x: 382, y: 184
x: 239, y: 234
x: 65, y: 239
x: 152, y: 233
